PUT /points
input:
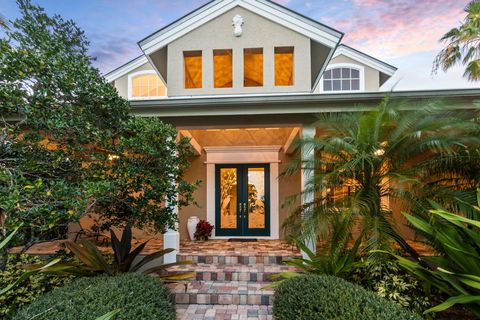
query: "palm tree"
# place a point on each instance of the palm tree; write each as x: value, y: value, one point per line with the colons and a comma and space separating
x: 397, y: 152
x: 463, y: 45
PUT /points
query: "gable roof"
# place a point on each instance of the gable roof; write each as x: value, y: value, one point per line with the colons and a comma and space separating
x: 268, y: 9
x: 366, y: 59
x: 126, y: 68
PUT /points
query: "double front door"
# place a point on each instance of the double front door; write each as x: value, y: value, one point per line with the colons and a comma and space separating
x: 242, y: 200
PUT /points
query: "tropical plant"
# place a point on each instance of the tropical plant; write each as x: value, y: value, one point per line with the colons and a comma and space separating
x: 395, y: 153
x: 137, y: 296
x: 336, y: 258
x: 393, y: 283
x: 313, y: 297
x: 463, y: 44
x: 456, y: 271
x: 92, y: 261
x: 14, y: 293
x: 203, y: 230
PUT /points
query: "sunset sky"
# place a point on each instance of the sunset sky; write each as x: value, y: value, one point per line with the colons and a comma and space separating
x: 404, y: 33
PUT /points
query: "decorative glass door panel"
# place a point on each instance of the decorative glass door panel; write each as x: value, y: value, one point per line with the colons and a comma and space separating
x: 242, y: 200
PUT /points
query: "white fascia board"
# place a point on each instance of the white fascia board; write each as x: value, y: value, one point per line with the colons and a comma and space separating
x: 369, y: 61
x: 126, y: 68
x: 268, y: 11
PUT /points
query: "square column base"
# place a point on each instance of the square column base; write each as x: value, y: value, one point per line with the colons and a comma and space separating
x: 171, y: 239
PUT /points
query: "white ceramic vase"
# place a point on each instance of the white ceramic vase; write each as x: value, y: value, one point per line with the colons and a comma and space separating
x: 192, y: 226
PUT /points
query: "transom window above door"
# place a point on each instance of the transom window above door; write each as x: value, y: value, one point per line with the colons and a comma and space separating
x: 146, y: 85
x: 343, y: 78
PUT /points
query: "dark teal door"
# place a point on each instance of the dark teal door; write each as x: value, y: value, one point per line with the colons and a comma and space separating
x: 242, y: 200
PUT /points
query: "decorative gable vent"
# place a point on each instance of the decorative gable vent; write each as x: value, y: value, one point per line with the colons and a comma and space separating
x: 237, y: 24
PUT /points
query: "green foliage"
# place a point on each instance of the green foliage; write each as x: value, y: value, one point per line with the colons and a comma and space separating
x: 399, y: 151
x: 463, y: 45
x: 327, y: 298
x: 456, y: 272
x: 141, y: 172
x: 391, y: 282
x: 93, y: 262
x: 32, y: 288
x: 137, y: 296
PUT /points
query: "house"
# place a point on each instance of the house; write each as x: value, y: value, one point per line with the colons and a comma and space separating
x: 243, y: 79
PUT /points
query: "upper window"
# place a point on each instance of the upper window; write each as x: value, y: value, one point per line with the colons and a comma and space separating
x: 146, y: 84
x: 343, y: 78
x: 223, y: 68
x: 284, y: 66
x: 253, y: 67
x: 192, y: 61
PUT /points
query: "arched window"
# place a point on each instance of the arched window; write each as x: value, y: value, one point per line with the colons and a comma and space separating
x: 343, y: 78
x: 146, y: 85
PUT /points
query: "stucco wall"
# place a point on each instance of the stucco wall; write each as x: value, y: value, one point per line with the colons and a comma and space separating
x: 372, y: 76
x: 258, y: 32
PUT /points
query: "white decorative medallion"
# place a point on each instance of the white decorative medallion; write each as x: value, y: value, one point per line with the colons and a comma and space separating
x: 237, y: 23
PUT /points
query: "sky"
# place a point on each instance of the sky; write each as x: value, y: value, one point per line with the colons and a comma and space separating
x: 404, y: 33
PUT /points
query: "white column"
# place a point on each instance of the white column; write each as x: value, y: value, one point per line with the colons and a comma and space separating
x: 307, y: 175
x: 171, y: 239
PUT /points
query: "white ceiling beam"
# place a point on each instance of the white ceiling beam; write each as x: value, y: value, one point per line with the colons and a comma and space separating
x: 196, y: 147
x: 290, y: 146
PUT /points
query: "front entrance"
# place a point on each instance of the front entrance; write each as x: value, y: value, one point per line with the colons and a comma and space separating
x: 242, y: 200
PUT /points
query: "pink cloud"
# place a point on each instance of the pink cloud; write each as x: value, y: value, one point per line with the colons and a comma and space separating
x: 391, y: 29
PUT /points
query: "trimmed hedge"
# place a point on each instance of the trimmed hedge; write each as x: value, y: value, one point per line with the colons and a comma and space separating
x: 138, y: 296
x: 313, y: 297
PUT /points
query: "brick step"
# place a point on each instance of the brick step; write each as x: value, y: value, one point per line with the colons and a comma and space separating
x: 222, y: 293
x: 235, y: 259
x: 233, y: 272
x: 232, y: 312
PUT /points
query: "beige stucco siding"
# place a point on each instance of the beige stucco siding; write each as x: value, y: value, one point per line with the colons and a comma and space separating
x: 121, y: 84
x: 372, y: 76
x: 258, y: 32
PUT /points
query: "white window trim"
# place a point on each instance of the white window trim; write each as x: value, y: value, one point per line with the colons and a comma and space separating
x: 139, y: 73
x: 360, y: 68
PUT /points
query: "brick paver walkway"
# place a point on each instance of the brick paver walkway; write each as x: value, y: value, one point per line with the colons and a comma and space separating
x: 222, y: 312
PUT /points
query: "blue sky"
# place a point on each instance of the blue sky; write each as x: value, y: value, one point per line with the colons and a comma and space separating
x: 404, y: 33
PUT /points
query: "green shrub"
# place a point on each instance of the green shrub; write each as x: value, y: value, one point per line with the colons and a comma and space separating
x: 137, y: 296
x: 29, y: 290
x: 391, y: 282
x: 326, y: 298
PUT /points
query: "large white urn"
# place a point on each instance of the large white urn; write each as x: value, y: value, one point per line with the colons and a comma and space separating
x: 192, y: 226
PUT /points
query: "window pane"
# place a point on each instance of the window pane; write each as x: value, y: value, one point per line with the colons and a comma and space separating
x: 256, y: 198
x: 147, y: 85
x: 223, y: 68
x: 327, y: 85
x: 355, y: 85
x: 337, y: 85
x: 193, y: 69
x: 284, y: 66
x: 345, y: 73
x: 253, y: 67
x: 355, y: 73
x: 228, y: 198
x: 345, y: 85
x: 328, y: 74
x: 336, y: 73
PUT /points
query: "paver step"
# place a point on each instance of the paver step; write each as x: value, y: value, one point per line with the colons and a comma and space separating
x: 224, y: 312
x: 233, y: 272
x: 235, y: 259
x: 222, y: 293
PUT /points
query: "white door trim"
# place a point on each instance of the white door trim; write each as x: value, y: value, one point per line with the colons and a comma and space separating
x: 245, y: 155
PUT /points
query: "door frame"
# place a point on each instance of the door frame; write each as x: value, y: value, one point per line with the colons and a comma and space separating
x: 244, y: 155
x: 242, y: 229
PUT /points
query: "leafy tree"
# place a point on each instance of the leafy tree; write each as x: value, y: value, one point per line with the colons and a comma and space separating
x: 141, y: 173
x: 463, y: 45
x: 62, y: 124
x: 393, y: 153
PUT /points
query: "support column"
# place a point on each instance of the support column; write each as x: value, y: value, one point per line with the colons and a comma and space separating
x: 307, y: 175
x: 171, y: 239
